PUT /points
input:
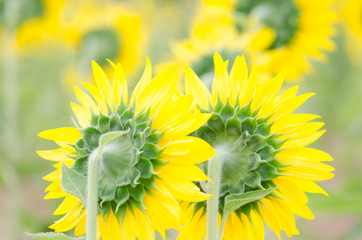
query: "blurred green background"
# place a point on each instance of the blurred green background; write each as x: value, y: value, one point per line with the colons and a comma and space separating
x: 40, y: 99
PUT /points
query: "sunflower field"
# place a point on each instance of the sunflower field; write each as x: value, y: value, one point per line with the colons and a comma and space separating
x: 181, y: 119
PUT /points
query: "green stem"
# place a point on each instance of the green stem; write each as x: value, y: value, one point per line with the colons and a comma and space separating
x: 92, y: 193
x: 222, y: 226
x: 214, y: 173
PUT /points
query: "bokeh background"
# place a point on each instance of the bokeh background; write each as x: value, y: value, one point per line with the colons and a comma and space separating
x: 47, y: 46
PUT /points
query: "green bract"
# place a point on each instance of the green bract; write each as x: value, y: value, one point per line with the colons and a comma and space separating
x: 280, y: 15
x: 248, y: 151
x: 127, y: 163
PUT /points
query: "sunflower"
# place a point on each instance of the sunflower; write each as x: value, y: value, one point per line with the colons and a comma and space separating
x: 35, y: 21
x: 213, y: 31
x: 286, y: 32
x: 99, y: 31
x: 263, y: 145
x: 143, y: 173
x: 352, y: 15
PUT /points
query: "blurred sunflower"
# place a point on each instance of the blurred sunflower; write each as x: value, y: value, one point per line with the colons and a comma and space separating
x: 35, y: 21
x: 262, y: 145
x: 143, y: 173
x: 284, y: 32
x: 352, y: 16
x: 99, y: 31
x: 213, y: 31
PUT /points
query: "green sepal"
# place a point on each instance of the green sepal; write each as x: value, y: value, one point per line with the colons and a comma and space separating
x: 144, y: 116
x: 263, y: 129
x: 218, y: 106
x: 145, y: 167
x: 91, y: 136
x: 233, y: 126
x: 105, y: 207
x: 216, y: 123
x: 122, y: 196
x: 253, y: 162
x: 149, y: 183
x: 103, y: 123
x: 94, y: 119
x: 139, y: 140
x: 74, y: 183
x: 115, y: 123
x: 267, y: 171
x: 249, y: 124
x: 267, y: 153
x: 142, y: 126
x: 151, y: 151
x: 244, y: 112
x: 154, y: 137
x: 126, y: 115
x: 137, y: 192
x: 206, y: 133
x: 53, y: 236
x: 119, y: 110
x: 277, y: 144
x: 199, y: 206
x: 158, y: 163
x: 122, y: 212
x: 227, y: 111
x: 257, y: 142
x: 133, y: 203
x: 253, y: 179
x: 237, y: 188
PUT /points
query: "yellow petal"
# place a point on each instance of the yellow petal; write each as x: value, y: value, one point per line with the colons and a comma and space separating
x: 64, y: 134
x: 144, y: 82
x: 194, y: 86
x: 103, y: 84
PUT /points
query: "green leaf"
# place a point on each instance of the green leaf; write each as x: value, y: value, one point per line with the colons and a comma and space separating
x: 74, y: 183
x: 236, y: 201
x: 105, y: 138
x: 53, y: 236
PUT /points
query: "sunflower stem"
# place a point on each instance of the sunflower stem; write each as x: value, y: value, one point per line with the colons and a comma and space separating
x: 92, y: 193
x: 214, y: 172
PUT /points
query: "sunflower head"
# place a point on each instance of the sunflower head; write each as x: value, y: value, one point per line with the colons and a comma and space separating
x: 281, y: 33
x: 262, y: 146
x: 114, y: 34
x: 127, y: 167
x: 143, y: 173
x: 281, y: 16
x: 247, y: 145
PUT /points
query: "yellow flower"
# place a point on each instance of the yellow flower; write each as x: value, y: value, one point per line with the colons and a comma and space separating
x: 99, y: 31
x: 37, y: 23
x: 352, y: 15
x: 264, y: 146
x: 145, y: 172
x: 283, y: 33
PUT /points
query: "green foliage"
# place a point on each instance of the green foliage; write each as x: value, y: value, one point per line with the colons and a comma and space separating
x: 74, y: 183
x: 234, y: 202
